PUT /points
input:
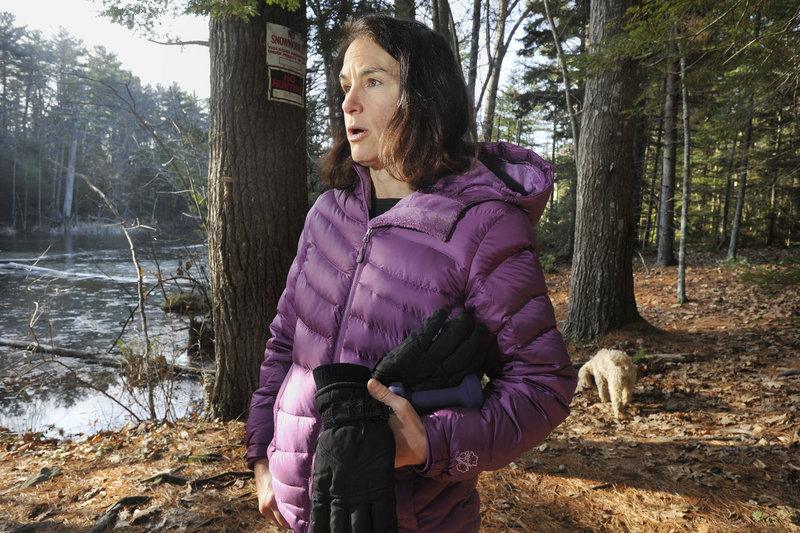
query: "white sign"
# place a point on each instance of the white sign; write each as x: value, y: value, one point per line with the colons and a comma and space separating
x: 286, y: 65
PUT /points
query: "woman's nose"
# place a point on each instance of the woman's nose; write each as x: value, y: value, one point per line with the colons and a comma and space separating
x: 352, y: 102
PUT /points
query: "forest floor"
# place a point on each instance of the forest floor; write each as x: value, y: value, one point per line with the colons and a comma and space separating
x: 711, y: 442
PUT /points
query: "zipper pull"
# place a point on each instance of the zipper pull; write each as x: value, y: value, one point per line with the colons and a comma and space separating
x: 364, y: 241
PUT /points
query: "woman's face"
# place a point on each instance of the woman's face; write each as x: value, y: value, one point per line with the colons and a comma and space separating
x: 370, y: 78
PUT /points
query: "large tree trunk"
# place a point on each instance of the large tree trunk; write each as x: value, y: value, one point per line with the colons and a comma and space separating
x: 601, y: 296
x: 257, y: 200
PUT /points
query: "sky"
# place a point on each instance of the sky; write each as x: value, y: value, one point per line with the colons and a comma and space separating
x: 152, y: 63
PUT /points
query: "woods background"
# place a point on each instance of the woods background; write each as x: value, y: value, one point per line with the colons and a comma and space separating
x: 669, y: 123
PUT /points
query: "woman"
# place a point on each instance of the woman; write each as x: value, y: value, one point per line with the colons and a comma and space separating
x: 417, y: 219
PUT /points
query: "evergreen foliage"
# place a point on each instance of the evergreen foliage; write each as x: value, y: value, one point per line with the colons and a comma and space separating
x: 70, y: 111
x: 742, y: 68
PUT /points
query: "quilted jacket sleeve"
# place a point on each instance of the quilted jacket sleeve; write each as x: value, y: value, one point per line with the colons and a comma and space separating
x: 532, y: 379
x: 277, y: 360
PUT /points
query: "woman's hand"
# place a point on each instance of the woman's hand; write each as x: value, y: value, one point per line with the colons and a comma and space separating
x: 267, y: 505
x: 409, y: 433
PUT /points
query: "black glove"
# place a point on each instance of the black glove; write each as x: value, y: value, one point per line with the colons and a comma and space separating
x: 353, y: 484
x: 425, y: 361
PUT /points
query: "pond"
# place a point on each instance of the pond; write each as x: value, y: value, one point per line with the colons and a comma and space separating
x: 79, y: 292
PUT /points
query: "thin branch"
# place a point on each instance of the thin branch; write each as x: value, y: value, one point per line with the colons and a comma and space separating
x: 179, y: 43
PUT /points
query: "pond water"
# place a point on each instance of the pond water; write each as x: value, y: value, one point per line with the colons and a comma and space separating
x: 80, y: 292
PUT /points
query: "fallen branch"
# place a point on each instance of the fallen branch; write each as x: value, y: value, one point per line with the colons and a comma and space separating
x: 89, y: 357
x: 171, y: 478
x: 734, y: 435
x: 31, y: 528
x: 220, y: 477
x: 165, y: 477
x: 109, y: 518
x: 93, y: 357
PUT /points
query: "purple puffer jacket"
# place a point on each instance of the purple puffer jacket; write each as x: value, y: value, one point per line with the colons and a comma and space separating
x: 358, y: 287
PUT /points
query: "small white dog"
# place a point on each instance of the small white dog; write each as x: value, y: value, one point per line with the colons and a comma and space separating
x: 614, y: 374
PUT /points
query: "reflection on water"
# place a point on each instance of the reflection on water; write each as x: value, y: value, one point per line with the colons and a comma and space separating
x: 79, y: 292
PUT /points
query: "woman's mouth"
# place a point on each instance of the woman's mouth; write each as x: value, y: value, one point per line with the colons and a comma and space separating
x: 355, y: 133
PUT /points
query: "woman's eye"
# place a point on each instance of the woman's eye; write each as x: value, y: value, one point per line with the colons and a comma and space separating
x: 345, y: 89
x: 373, y: 83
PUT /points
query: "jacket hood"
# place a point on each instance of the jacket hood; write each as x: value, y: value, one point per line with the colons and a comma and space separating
x: 503, y: 172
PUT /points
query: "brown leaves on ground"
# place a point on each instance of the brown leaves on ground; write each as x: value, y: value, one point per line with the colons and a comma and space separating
x: 711, y: 442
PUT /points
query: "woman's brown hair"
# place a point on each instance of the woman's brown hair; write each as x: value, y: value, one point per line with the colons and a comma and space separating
x: 432, y: 133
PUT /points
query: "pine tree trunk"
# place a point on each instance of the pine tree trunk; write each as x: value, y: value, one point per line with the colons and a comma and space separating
x: 443, y: 22
x: 740, y: 193
x: 666, y: 211
x: 686, y: 183
x: 641, y: 145
x: 257, y: 201
x: 726, y: 201
x: 601, y: 296
x: 772, y: 218
x: 474, y: 43
x: 651, y: 201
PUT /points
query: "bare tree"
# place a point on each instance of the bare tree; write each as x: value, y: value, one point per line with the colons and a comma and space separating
x: 497, y: 54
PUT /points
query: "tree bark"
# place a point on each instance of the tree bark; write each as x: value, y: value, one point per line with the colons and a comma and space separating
x: 740, y: 193
x: 257, y: 200
x: 687, y: 143
x: 328, y: 33
x: 474, y: 43
x: 666, y: 211
x: 651, y: 201
x: 726, y: 200
x: 601, y: 296
x: 443, y: 23
x: 405, y: 9
x: 772, y: 218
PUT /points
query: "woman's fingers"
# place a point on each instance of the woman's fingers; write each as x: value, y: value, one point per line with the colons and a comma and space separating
x: 411, y: 442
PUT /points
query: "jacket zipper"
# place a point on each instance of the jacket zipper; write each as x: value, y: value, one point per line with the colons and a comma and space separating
x: 364, y: 243
x: 351, y: 293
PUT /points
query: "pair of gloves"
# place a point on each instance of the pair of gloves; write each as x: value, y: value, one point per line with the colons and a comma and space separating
x: 353, y: 485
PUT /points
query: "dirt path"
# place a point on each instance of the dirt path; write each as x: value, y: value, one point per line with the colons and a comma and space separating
x: 710, y: 444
